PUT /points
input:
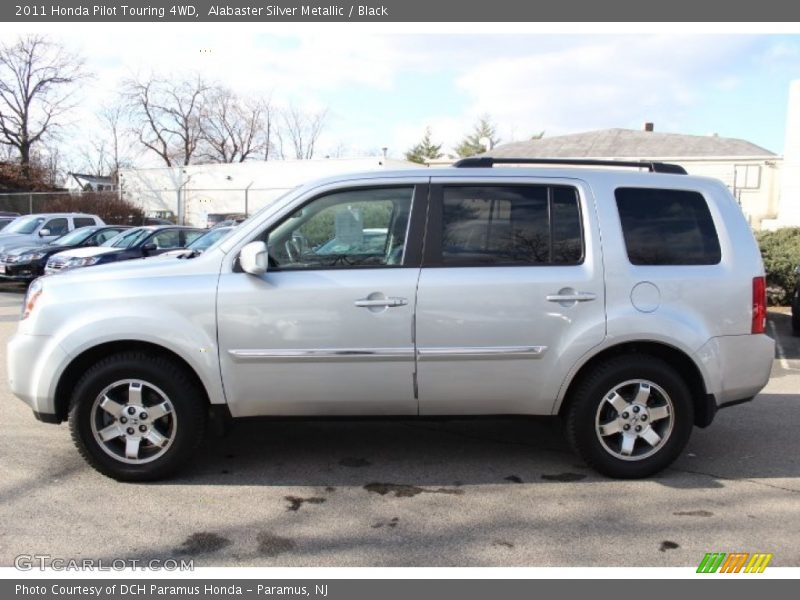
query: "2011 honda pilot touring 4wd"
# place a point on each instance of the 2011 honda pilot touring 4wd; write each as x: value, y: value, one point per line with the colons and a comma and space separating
x: 629, y: 303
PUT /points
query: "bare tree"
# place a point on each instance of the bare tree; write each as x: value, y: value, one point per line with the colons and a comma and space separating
x: 113, y: 119
x: 233, y: 127
x: 37, y: 83
x: 303, y: 130
x: 168, y: 115
x: 112, y: 148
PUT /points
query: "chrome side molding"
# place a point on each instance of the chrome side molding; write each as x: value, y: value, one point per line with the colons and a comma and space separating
x: 481, y: 353
x: 324, y: 354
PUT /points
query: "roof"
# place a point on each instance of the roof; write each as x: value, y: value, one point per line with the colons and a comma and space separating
x: 629, y: 143
x: 93, y: 178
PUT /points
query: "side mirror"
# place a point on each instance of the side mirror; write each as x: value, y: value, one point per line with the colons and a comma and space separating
x: 148, y: 248
x: 44, y: 232
x: 253, y: 258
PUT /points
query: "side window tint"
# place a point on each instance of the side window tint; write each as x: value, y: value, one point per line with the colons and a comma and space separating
x: 190, y: 236
x: 166, y: 239
x: 83, y: 222
x: 102, y: 236
x: 508, y: 225
x: 667, y: 227
x: 57, y: 226
x: 357, y: 228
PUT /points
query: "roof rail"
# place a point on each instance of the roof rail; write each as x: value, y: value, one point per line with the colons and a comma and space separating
x: 487, y: 162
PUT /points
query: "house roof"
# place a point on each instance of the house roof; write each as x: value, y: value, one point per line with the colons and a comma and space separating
x: 629, y: 143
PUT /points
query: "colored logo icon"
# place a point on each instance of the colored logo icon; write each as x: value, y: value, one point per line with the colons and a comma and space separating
x: 736, y: 562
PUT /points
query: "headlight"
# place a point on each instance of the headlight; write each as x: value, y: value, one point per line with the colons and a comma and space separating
x: 82, y: 261
x: 31, y: 297
x: 30, y: 256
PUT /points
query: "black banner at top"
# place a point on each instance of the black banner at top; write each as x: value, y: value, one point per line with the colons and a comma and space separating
x: 399, y: 11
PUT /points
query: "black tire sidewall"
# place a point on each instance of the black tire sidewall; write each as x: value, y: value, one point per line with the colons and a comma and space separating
x: 186, y: 400
x: 582, y: 413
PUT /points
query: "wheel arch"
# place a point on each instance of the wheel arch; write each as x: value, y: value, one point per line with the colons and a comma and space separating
x: 78, y: 366
x: 704, y: 404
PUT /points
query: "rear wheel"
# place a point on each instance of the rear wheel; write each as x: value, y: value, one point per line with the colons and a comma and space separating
x: 630, y: 417
x: 136, y: 417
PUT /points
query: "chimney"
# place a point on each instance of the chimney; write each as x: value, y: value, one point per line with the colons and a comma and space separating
x: 648, y: 126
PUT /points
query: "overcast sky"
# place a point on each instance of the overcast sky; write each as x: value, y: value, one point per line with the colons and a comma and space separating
x: 384, y: 89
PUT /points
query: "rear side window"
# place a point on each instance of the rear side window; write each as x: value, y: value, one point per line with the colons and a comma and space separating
x: 83, y: 222
x: 510, y: 225
x: 667, y: 227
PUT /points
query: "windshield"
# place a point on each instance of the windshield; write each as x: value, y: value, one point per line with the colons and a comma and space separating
x: 205, y: 241
x: 126, y: 239
x: 74, y: 237
x: 24, y: 225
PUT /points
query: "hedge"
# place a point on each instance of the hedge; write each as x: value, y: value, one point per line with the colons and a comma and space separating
x: 781, y: 252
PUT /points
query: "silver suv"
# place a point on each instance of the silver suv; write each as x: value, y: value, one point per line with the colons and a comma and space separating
x: 42, y: 228
x: 629, y: 303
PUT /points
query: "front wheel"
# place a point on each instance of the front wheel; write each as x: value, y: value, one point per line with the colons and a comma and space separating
x: 630, y: 417
x: 136, y: 417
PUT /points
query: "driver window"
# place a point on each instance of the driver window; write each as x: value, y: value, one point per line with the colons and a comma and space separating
x: 356, y: 228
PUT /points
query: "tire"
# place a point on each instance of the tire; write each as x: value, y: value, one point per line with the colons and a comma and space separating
x: 137, y: 417
x: 630, y: 391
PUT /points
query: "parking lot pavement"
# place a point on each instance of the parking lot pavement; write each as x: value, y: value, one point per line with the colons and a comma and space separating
x: 499, y: 492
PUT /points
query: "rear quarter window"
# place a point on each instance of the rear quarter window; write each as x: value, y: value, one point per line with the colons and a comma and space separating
x: 667, y: 227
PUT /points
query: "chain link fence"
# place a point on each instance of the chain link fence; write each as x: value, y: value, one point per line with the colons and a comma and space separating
x: 186, y: 206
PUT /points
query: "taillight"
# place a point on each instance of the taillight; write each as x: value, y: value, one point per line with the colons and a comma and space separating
x: 759, y: 305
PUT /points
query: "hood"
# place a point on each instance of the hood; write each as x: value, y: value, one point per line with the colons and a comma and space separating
x: 15, y: 240
x: 19, y: 250
x: 89, y: 251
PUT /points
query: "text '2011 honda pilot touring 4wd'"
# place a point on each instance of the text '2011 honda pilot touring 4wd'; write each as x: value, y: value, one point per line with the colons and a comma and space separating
x: 630, y: 303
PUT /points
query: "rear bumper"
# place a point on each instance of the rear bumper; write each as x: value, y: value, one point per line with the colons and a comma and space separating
x: 737, y: 367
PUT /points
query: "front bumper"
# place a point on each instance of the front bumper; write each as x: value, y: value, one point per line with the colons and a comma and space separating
x: 20, y: 271
x: 33, y: 365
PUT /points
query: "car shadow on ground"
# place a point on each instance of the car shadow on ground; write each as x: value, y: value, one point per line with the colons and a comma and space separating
x: 433, y: 456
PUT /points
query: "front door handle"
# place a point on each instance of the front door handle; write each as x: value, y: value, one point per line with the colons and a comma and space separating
x: 569, y: 296
x: 381, y: 302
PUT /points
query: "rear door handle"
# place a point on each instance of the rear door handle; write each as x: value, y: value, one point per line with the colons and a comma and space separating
x: 381, y: 302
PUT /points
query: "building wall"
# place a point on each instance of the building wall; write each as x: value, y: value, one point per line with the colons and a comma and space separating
x: 194, y: 191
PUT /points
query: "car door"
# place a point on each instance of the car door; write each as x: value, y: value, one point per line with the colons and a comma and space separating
x: 511, y: 294
x: 328, y: 329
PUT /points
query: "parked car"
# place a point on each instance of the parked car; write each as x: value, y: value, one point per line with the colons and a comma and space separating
x: 26, y: 263
x: 631, y: 304
x: 224, y: 219
x: 139, y: 242
x: 202, y: 243
x: 41, y: 229
x: 6, y: 221
x: 6, y: 213
x: 156, y: 221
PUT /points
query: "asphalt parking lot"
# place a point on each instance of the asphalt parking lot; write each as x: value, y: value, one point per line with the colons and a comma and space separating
x: 403, y: 493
